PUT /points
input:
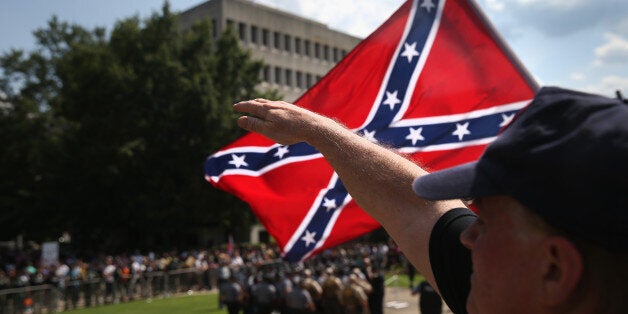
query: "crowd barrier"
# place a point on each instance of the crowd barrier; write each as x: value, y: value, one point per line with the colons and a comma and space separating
x: 50, y: 298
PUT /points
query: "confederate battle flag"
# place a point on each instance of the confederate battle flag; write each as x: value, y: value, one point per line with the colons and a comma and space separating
x: 434, y: 81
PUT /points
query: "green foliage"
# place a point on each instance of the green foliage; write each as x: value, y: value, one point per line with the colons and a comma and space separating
x: 105, y: 136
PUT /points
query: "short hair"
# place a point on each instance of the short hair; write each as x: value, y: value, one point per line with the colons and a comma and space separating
x: 605, y: 275
x: 605, y: 272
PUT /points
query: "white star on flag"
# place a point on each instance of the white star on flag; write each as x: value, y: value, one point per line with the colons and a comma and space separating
x: 238, y: 161
x: 370, y: 135
x: 409, y: 51
x: 391, y: 99
x: 428, y: 5
x: 281, y: 150
x: 415, y: 135
x: 507, y: 119
x: 329, y: 204
x: 308, y: 238
x: 461, y: 130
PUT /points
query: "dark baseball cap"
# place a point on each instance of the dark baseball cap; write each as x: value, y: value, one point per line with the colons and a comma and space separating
x: 565, y: 157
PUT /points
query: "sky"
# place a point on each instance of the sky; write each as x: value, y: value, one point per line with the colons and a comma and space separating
x: 578, y: 44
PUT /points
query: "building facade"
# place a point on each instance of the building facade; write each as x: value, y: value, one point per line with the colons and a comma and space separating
x: 297, y: 51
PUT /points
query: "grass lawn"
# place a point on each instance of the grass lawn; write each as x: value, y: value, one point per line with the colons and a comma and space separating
x: 195, y: 303
x: 206, y: 302
x: 402, y: 280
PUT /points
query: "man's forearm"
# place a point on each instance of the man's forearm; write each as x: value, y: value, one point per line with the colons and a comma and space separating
x: 378, y: 179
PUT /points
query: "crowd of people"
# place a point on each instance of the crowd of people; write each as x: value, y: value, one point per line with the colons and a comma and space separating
x: 337, y: 281
x: 107, y: 279
x: 251, y: 279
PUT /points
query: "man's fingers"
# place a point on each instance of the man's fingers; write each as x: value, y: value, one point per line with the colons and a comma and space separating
x: 247, y: 106
x: 258, y: 111
x: 255, y: 107
x: 274, y: 119
x: 250, y: 123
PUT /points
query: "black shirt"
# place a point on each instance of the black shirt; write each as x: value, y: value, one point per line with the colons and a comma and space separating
x: 451, y: 261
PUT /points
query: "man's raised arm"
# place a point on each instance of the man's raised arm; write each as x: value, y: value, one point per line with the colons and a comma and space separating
x: 378, y: 179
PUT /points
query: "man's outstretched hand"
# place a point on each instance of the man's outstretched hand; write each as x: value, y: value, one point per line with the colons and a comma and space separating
x: 280, y: 121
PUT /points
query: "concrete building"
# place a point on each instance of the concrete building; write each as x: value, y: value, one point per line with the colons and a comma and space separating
x: 297, y: 51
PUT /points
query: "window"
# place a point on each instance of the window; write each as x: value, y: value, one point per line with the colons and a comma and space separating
x: 307, y: 48
x: 297, y: 45
x: 277, y: 75
x: 265, y: 37
x: 242, y: 31
x: 230, y: 24
x: 288, y: 77
x: 277, y: 40
x: 335, y: 54
x: 286, y: 43
x: 308, y: 80
x: 254, y: 34
x: 317, y: 50
x: 326, y: 52
x: 299, y: 79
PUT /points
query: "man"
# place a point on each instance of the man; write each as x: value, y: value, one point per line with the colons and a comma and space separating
x: 430, y: 301
x: 223, y: 272
x: 377, y: 281
x: 232, y: 295
x: 109, y: 276
x: 551, y: 234
x: 264, y: 295
x: 284, y: 287
x: 314, y: 288
x: 354, y: 297
x: 332, y: 288
x: 299, y: 300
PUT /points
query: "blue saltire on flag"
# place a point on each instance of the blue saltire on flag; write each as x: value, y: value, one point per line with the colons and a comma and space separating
x: 434, y: 81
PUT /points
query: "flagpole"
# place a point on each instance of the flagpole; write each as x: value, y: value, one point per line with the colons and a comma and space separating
x: 504, y: 45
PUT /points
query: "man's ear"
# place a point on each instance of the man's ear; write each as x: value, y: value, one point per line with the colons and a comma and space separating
x: 563, y: 269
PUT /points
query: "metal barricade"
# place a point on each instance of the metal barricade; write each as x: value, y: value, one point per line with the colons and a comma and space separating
x: 33, y: 299
x: 49, y: 298
x: 96, y: 292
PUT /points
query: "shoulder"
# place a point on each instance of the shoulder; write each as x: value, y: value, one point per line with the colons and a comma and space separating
x: 450, y: 260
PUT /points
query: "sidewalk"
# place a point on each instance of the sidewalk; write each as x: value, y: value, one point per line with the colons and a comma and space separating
x: 399, y: 300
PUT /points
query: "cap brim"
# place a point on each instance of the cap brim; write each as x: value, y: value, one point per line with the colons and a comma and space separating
x: 460, y: 182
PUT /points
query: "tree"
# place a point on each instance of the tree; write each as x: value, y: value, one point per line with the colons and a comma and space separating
x: 125, y: 123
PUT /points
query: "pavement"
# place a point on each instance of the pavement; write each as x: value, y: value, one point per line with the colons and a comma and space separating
x: 399, y: 300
